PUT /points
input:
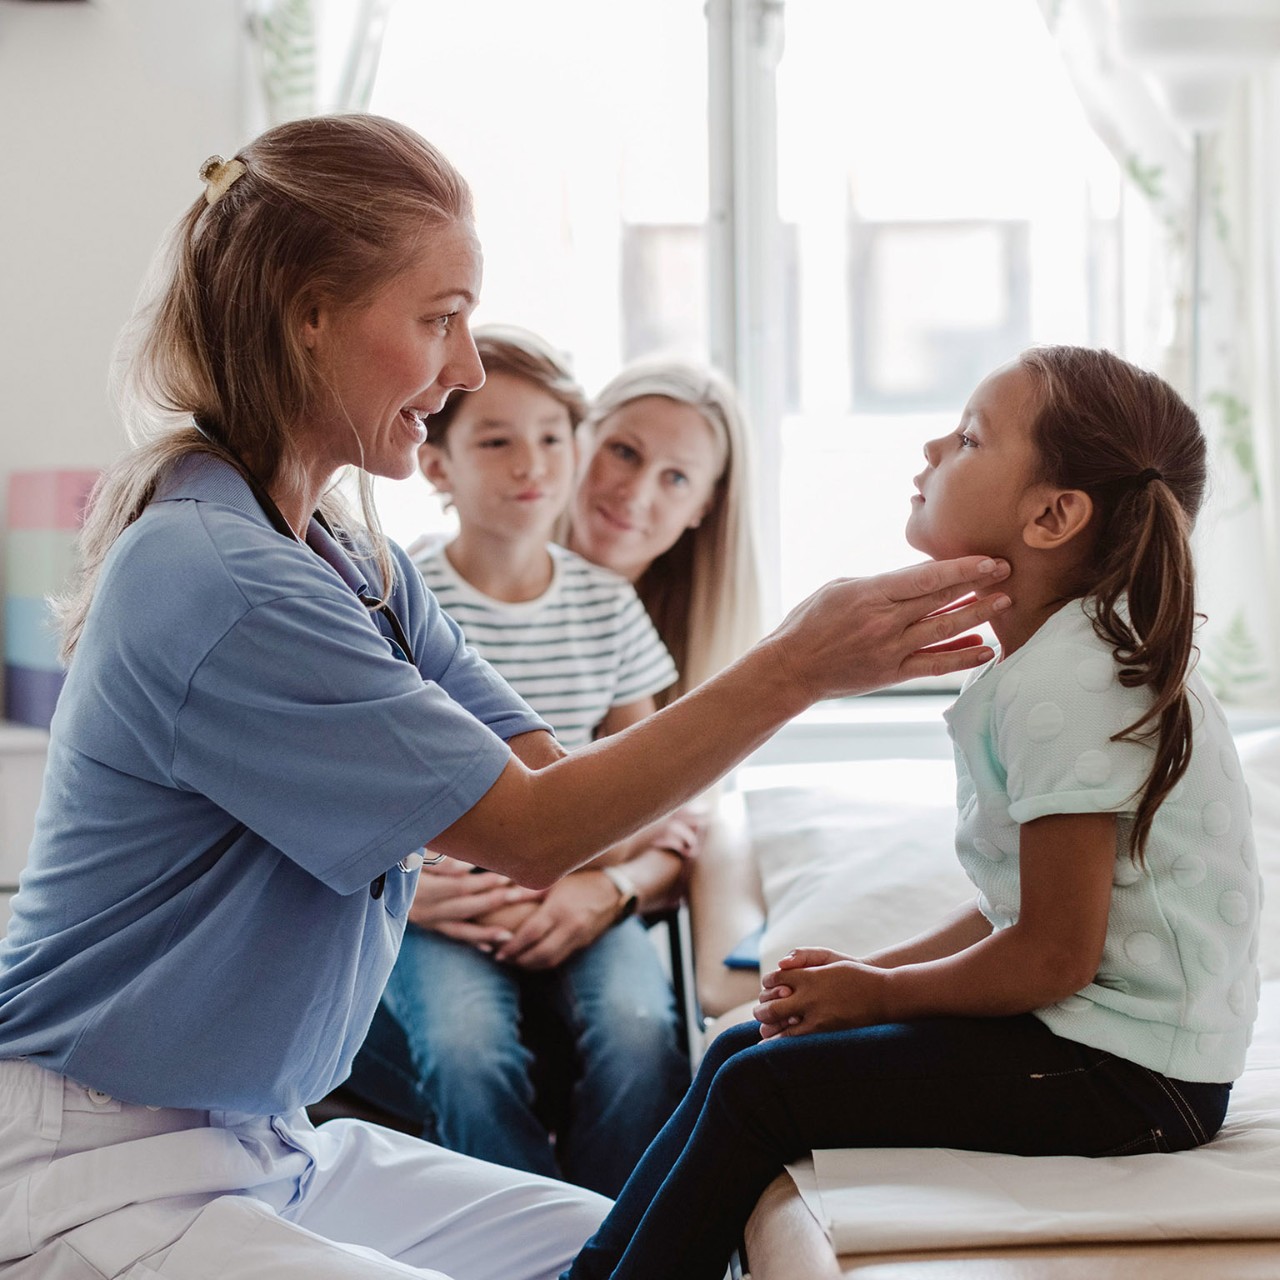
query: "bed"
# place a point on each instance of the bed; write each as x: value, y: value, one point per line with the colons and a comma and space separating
x: 856, y: 854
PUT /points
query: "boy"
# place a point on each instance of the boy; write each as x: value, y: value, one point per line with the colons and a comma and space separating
x: 570, y: 1021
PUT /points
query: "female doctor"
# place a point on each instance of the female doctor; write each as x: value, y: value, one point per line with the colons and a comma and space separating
x: 265, y: 719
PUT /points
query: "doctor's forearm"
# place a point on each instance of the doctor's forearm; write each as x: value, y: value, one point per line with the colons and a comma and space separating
x: 536, y: 824
x: 851, y: 636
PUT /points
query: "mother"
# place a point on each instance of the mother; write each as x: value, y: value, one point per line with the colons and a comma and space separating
x: 264, y: 720
x: 592, y: 1054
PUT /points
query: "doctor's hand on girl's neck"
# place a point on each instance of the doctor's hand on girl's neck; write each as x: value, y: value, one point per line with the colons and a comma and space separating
x: 980, y: 493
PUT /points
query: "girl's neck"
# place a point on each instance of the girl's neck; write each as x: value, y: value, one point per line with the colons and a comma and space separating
x: 506, y: 569
x: 1035, y: 600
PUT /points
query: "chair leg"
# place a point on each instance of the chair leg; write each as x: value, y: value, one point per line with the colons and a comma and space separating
x: 679, y: 932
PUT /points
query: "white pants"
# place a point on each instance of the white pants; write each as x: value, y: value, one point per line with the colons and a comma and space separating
x: 92, y: 1188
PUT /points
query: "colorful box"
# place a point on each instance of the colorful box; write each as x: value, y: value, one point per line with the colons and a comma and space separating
x: 44, y: 514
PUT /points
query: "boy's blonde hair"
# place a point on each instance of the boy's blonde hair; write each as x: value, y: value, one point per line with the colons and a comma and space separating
x: 703, y: 593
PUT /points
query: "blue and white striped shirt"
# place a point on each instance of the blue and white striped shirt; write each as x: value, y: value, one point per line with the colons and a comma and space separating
x: 583, y: 646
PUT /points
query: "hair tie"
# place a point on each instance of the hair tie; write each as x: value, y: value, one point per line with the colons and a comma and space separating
x: 1145, y: 477
x: 218, y: 175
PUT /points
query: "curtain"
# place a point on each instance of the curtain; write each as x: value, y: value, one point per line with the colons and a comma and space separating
x: 1214, y: 323
x: 315, y: 56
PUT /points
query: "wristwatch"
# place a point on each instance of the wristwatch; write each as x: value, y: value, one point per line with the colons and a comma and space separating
x: 628, y: 894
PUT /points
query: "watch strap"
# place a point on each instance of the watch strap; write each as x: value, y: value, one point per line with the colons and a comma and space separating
x: 628, y: 894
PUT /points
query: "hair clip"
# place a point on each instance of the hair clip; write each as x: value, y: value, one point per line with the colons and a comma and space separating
x: 218, y: 175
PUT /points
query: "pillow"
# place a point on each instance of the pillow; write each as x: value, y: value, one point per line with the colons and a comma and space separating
x: 860, y: 855
x: 856, y: 857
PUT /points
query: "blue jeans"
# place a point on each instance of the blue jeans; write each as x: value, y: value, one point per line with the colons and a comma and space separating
x: 981, y: 1084
x: 568, y: 1072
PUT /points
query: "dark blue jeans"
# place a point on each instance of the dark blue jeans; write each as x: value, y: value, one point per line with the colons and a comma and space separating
x: 981, y: 1084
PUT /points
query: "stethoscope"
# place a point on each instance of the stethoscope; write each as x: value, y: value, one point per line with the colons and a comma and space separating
x: 411, y: 861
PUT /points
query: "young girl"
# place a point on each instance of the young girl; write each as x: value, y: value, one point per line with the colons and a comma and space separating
x: 1097, y: 997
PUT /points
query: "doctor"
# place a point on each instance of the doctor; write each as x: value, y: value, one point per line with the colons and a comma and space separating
x: 266, y: 718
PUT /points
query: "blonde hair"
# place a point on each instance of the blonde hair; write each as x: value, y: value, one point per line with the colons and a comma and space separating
x: 703, y: 593
x: 521, y: 353
x: 323, y: 210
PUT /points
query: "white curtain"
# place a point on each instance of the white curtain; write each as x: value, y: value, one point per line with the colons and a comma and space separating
x: 315, y: 56
x: 1216, y: 198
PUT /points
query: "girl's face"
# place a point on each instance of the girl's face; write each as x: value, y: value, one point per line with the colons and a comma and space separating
x: 649, y: 475
x: 507, y: 460
x: 387, y: 363
x: 976, y: 494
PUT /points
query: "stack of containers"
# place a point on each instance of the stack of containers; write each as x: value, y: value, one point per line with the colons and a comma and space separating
x: 45, y: 511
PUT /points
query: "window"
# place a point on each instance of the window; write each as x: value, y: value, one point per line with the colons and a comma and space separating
x: 581, y: 127
x: 953, y: 207
x: 935, y: 198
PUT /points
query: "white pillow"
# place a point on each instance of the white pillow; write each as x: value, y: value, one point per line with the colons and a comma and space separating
x: 863, y: 859
x: 862, y: 854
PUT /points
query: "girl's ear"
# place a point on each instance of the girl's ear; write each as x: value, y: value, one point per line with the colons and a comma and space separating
x: 1059, y: 516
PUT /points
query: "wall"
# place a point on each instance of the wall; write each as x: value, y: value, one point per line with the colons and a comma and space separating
x: 107, y: 109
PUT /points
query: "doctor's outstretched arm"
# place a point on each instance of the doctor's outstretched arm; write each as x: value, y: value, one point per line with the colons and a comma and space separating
x: 540, y: 820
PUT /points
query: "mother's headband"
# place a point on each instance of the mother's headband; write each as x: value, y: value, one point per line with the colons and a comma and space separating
x: 218, y: 175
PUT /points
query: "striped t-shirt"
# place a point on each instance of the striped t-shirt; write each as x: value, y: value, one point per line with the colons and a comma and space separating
x: 583, y: 646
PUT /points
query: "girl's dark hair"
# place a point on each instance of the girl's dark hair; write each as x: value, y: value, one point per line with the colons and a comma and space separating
x: 506, y: 348
x: 1128, y: 440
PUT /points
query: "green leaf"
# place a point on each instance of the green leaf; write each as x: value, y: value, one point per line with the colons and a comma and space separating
x: 286, y: 33
x: 1235, y: 434
x: 1148, y: 179
x: 1231, y: 661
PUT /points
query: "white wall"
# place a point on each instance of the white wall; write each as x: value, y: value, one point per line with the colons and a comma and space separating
x: 107, y: 109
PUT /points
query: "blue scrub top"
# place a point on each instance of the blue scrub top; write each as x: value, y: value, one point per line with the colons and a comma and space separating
x: 237, y: 753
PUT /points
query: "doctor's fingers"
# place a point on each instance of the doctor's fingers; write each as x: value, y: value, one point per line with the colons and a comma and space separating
x: 933, y: 584
x: 942, y: 629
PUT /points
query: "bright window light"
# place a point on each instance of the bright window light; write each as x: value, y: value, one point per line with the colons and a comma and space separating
x: 941, y: 199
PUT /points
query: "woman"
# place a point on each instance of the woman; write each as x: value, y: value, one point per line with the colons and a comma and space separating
x: 569, y: 1061
x: 264, y: 721
x: 664, y: 500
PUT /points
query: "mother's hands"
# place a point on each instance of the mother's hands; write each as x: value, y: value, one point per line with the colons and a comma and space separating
x: 574, y: 913
x: 530, y: 928
x: 859, y: 634
x: 452, y: 899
